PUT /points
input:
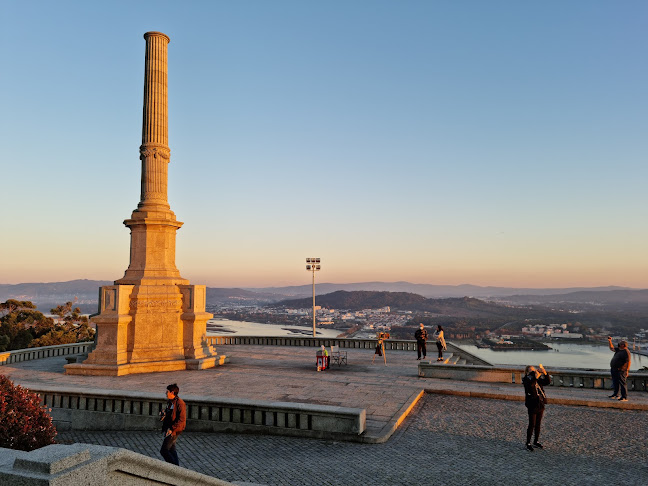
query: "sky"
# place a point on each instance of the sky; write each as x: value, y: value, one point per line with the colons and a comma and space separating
x: 444, y: 142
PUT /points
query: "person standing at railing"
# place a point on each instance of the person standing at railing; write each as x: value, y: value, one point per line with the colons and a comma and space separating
x: 174, y: 421
x: 619, y: 366
x: 421, y: 336
x: 535, y: 399
x: 440, y: 341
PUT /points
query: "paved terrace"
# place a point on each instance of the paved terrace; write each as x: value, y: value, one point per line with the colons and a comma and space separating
x: 446, y: 439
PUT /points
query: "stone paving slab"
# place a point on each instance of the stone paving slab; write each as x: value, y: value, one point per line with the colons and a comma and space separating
x: 446, y: 440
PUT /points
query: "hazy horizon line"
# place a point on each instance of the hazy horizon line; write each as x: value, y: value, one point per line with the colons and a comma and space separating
x: 623, y: 287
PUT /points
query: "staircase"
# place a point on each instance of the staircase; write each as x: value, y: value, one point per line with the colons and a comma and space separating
x: 454, y: 355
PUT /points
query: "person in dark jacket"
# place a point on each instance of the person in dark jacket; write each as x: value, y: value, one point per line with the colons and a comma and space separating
x: 421, y: 336
x: 619, y: 366
x: 174, y: 421
x: 535, y: 399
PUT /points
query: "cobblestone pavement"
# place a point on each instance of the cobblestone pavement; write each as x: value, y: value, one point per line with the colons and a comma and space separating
x: 447, y: 440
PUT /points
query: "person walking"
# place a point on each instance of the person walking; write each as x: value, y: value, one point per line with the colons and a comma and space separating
x: 421, y: 336
x: 535, y: 400
x: 440, y: 341
x: 174, y: 421
x: 619, y: 366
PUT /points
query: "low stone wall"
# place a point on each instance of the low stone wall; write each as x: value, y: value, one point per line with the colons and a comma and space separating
x: 81, y: 464
x: 574, y: 378
x: 97, y: 410
x: 346, y: 343
x: 29, y: 354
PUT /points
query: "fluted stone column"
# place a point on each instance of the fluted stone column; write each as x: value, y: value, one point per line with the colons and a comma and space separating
x: 153, y: 225
x: 154, y: 151
x: 151, y: 319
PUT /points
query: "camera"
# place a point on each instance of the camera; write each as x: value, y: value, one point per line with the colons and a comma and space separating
x: 383, y: 335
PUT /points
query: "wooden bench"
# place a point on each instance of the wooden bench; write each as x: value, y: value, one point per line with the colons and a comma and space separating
x: 338, y: 356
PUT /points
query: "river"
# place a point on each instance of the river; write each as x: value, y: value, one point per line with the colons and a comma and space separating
x: 225, y: 327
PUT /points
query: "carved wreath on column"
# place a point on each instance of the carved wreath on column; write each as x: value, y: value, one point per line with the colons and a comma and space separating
x: 155, y: 152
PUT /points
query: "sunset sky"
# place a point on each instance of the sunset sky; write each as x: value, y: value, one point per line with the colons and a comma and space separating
x: 493, y: 143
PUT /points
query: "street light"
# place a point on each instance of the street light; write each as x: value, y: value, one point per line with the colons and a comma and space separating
x: 313, y: 265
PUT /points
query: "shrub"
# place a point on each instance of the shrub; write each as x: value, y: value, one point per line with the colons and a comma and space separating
x: 24, y: 424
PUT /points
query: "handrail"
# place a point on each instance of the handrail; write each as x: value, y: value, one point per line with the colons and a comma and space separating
x: 94, y: 409
x: 19, y: 355
x: 347, y: 343
x: 561, y: 377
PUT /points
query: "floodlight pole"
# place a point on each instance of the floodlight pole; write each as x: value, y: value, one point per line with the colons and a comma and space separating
x: 314, y: 332
x: 313, y: 265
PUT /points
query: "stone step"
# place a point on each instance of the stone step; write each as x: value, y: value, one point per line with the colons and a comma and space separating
x: 452, y: 359
x: 447, y: 359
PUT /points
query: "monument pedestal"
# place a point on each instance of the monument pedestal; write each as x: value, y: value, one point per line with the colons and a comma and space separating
x: 150, y: 328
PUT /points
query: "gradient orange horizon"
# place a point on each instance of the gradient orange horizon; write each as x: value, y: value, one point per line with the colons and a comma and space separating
x: 536, y: 278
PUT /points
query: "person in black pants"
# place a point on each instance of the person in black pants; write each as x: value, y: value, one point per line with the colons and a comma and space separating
x: 535, y: 400
x: 440, y: 341
x: 174, y: 421
x: 619, y: 367
x: 421, y: 336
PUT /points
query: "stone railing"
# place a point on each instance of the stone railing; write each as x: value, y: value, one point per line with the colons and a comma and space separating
x: 90, y: 409
x: 347, y: 343
x: 76, y: 464
x: 568, y: 377
x: 29, y: 354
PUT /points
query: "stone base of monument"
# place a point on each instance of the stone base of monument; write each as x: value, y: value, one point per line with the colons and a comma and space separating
x: 149, y: 329
x: 147, y: 367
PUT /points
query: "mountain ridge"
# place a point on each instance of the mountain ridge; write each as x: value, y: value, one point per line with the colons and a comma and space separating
x: 47, y: 293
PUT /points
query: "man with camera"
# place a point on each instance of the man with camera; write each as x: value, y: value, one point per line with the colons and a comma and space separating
x: 174, y: 421
x: 619, y: 366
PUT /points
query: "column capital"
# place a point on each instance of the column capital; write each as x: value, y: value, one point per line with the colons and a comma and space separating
x: 157, y: 34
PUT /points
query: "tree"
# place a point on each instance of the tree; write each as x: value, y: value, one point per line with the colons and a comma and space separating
x: 72, y: 327
x: 24, y: 424
x: 22, y: 326
x: 20, y: 323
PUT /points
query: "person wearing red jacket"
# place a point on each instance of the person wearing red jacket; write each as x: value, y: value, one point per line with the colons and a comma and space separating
x: 174, y: 421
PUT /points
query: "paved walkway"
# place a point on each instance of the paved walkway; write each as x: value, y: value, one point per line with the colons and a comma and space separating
x: 446, y: 440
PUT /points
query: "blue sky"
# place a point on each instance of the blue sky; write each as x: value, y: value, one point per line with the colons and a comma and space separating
x: 492, y: 143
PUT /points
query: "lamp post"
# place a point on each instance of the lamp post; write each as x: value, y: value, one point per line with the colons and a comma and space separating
x: 313, y: 265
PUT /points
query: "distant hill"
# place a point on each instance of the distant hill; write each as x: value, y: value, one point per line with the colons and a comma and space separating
x: 48, y: 295
x: 216, y: 296
x: 426, y: 290
x: 358, y: 300
x: 624, y: 300
x: 607, y: 297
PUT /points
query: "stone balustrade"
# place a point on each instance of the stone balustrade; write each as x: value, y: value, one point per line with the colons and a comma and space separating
x: 90, y: 409
x: 29, y: 354
x: 347, y: 343
x: 567, y: 377
x: 77, y: 464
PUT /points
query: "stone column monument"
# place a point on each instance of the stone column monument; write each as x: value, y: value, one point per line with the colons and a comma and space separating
x: 151, y: 319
